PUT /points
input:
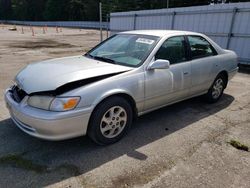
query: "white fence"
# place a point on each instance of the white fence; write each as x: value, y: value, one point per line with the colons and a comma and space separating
x: 73, y: 24
x: 227, y: 24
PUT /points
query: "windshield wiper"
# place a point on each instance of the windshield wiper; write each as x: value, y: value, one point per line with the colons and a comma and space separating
x: 105, y: 59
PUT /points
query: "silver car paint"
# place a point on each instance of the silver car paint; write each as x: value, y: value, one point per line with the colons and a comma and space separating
x: 47, y: 125
x: 49, y: 75
x: 150, y: 89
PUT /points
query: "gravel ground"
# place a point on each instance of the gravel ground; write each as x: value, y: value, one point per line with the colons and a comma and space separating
x: 183, y: 145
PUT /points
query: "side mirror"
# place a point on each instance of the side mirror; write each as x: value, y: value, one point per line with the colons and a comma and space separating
x: 159, y: 64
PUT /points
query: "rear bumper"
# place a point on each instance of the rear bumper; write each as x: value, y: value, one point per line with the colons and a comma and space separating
x: 46, y: 124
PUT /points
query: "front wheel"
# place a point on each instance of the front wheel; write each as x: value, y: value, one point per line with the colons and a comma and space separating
x: 110, y: 121
x: 216, y: 90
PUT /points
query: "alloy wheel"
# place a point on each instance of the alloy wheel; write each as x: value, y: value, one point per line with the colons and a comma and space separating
x: 217, y: 88
x: 113, y: 121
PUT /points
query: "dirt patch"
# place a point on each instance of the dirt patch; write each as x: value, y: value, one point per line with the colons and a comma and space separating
x: 45, y: 43
x: 18, y: 161
x: 236, y: 144
x: 71, y: 169
x: 67, y: 52
x: 144, y: 176
x: 79, y: 35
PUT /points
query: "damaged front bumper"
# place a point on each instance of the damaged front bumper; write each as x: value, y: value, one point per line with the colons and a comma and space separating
x: 45, y: 124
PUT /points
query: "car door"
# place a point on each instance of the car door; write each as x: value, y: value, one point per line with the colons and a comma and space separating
x: 163, y: 86
x: 203, y: 64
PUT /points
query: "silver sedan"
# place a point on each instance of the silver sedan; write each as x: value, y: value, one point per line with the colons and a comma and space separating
x: 128, y: 75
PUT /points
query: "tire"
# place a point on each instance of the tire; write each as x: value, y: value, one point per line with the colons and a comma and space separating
x: 110, y: 121
x: 216, y: 90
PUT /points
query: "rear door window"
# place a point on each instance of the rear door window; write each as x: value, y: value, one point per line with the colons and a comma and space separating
x: 200, y: 47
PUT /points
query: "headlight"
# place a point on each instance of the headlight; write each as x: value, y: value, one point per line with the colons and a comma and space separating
x: 52, y: 103
x: 42, y: 102
x: 64, y: 103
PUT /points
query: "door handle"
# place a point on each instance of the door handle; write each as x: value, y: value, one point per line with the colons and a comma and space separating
x: 185, y: 73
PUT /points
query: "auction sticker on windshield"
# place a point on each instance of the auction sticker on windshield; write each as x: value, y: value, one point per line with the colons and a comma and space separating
x: 145, y: 41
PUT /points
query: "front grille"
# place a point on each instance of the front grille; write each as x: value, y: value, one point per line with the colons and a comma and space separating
x: 18, y: 94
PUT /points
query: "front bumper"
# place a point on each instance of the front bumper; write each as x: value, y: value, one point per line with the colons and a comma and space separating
x: 46, y: 124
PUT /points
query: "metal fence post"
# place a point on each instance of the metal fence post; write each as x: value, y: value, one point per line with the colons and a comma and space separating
x: 135, y: 15
x: 173, y: 18
x: 100, y: 15
x: 107, y: 22
x: 230, y: 34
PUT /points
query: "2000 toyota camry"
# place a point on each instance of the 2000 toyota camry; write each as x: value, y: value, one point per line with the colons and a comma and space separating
x: 127, y: 75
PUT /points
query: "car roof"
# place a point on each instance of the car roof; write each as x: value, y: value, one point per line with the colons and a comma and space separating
x: 160, y: 33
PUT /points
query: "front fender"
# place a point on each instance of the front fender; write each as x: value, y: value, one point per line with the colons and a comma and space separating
x: 110, y: 93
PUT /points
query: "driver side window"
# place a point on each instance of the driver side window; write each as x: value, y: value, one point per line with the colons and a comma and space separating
x: 173, y: 49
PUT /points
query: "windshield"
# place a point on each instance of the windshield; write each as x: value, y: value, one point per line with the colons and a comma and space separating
x: 124, y: 49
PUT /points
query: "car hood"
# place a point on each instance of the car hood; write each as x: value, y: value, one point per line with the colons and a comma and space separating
x: 50, y: 74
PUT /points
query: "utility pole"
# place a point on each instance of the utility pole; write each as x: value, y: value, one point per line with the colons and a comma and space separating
x: 167, y: 3
x: 100, y: 14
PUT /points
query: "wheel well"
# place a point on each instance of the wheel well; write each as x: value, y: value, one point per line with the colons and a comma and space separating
x: 126, y: 97
x: 130, y: 100
x: 225, y: 76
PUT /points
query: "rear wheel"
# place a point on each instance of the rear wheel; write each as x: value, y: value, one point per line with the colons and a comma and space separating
x: 216, y: 90
x: 110, y: 121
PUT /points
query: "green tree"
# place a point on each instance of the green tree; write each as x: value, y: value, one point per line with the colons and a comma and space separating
x: 63, y: 10
x: 91, y: 9
x: 5, y: 9
x: 20, y: 9
x: 35, y: 9
x: 56, y: 10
